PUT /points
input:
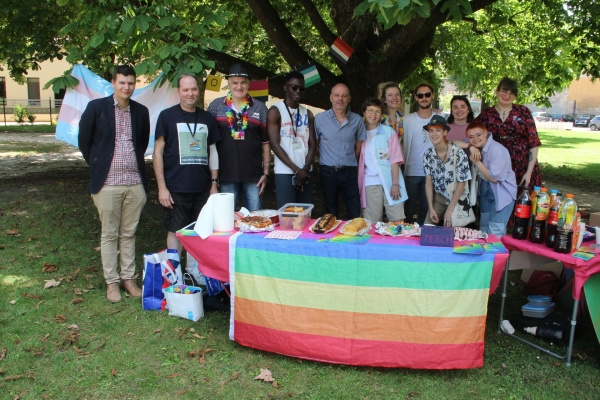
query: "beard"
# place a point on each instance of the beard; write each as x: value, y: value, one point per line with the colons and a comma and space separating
x: 424, y: 107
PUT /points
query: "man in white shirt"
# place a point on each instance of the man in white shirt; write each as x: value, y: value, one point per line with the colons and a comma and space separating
x: 416, y: 142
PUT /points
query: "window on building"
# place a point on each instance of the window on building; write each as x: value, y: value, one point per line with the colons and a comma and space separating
x: 58, y: 98
x: 33, y: 91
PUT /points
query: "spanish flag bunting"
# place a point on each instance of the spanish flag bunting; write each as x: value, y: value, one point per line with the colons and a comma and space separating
x: 341, y: 51
x: 259, y: 90
x: 311, y: 74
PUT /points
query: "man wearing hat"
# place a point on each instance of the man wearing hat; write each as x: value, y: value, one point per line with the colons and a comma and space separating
x: 244, y: 151
x: 416, y: 142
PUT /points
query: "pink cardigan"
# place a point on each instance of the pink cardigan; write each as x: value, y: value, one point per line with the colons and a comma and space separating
x: 395, y: 154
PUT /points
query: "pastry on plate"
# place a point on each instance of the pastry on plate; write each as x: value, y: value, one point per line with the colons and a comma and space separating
x: 325, y: 223
x: 356, y: 225
x: 256, y: 221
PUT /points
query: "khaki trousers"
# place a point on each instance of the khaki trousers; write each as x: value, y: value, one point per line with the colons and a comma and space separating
x: 439, y: 205
x: 119, y: 210
x: 376, y: 202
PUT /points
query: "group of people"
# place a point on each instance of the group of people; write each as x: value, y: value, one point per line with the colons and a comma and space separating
x: 380, y: 161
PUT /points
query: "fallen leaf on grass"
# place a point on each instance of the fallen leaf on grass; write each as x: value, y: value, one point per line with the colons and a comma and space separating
x: 156, y: 330
x: 12, y: 302
x: 79, y: 352
x: 192, y: 330
x: 30, y: 238
x: 183, y: 331
x: 51, y: 283
x: 76, y: 273
x: 172, y: 376
x: 2, y: 371
x: 3, y: 354
x: 113, y: 372
x: 13, y: 232
x: 198, y: 336
x: 30, y: 296
x: 91, y: 269
x: 77, y: 300
x: 46, y: 336
x: 203, y: 353
x: 265, y: 375
x: 47, y: 268
x: 275, y: 384
x: 77, y: 291
x: 71, y: 337
x: 2, y: 247
x: 410, y: 395
x: 181, y: 393
x: 233, y: 376
x: 14, y: 377
x: 73, y: 327
x: 98, y: 248
x: 60, y: 318
x: 38, y: 304
x: 18, y: 396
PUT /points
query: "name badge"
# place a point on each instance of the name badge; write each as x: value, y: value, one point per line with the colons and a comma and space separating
x: 296, y: 144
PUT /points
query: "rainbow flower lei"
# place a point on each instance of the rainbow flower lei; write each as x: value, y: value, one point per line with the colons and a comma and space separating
x: 237, y: 135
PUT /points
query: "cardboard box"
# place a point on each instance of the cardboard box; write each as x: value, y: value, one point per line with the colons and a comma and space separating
x: 594, y: 219
x: 555, y: 267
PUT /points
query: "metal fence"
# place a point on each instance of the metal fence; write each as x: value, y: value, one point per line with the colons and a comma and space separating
x: 34, y: 106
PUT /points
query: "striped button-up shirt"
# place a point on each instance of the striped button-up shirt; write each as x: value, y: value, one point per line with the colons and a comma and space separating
x: 123, y: 168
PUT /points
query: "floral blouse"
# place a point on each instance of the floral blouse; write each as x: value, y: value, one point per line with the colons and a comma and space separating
x: 442, y: 174
x: 398, y: 126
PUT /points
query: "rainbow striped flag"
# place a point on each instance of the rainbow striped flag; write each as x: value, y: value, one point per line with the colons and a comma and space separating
x: 341, y: 51
x: 259, y: 90
x: 356, y: 303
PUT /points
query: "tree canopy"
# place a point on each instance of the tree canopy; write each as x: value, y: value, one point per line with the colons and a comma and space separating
x: 543, y: 44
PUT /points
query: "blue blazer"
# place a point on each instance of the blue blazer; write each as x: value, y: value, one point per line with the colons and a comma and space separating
x: 97, y: 138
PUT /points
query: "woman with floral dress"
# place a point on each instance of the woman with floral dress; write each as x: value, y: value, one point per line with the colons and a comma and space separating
x: 513, y: 127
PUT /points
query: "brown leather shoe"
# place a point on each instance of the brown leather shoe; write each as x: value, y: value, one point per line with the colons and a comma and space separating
x: 113, y: 293
x: 132, y: 288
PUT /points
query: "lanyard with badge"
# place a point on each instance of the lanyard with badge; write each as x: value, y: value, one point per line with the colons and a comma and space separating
x: 296, y: 145
x: 194, y: 145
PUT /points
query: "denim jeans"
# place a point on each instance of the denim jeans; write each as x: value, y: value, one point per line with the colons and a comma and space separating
x: 249, y: 192
x: 415, y: 188
x: 344, y: 181
x: 286, y: 193
x: 492, y: 221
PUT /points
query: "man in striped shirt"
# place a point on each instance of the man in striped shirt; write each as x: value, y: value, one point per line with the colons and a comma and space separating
x: 113, y: 136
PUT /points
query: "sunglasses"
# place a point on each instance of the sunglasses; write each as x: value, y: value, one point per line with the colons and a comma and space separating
x: 421, y: 95
x: 296, y: 88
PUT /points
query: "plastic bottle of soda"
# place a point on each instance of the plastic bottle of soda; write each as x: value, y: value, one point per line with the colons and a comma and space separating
x: 564, y: 232
x: 555, y: 202
x: 540, y: 215
x: 522, y: 214
x: 533, y: 197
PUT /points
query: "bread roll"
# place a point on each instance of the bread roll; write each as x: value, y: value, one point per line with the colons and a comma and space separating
x: 356, y: 225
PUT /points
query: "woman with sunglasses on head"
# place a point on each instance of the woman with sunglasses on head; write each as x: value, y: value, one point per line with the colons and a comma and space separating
x: 513, y: 127
x: 391, y: 96
x: 380, y: 180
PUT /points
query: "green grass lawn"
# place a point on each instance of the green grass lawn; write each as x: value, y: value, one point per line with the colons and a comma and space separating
x: 570, y: 156
x: 120, y: 351
x: 46, y: 128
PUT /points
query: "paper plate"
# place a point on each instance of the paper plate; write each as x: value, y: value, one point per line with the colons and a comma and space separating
x: 337, y: 223
x: 362, y: 232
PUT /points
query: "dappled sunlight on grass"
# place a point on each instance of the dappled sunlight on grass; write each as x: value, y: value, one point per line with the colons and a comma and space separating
x: 15, y: 280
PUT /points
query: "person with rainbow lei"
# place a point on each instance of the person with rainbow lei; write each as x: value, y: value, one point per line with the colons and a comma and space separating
x: 244, y: 150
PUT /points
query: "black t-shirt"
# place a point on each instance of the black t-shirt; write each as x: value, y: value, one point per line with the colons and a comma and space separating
x: 185, y: 156
x: 241, y: 160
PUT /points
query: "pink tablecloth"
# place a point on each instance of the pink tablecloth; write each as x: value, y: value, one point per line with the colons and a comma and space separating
x: 212, y: 253
x: 583, y: 269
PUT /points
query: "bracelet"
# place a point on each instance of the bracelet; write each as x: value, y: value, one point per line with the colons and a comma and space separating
x: 266, y: 175
x: 469, y: 146
x: 395, y: 184
x: 297, y: 171
x: 215, y: 180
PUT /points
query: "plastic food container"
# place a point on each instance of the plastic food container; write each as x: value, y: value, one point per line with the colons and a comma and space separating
x: 538, y: 300
x: 294, y: 220
x: 537, y: 312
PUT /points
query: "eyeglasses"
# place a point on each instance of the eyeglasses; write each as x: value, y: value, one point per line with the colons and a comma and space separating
x: 507, y: 93
x: 296, y: 88
x: 373, y: 112
x: 420, y: 95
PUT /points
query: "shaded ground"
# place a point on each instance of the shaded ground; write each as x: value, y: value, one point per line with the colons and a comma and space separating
x: 67, y: 161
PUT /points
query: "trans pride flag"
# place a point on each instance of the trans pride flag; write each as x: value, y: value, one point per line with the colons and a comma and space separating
x: 92, y: 86
x: 360, y: 302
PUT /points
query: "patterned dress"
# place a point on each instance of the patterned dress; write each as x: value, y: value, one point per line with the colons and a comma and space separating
x: 518, y: 134
x: 398, y: 126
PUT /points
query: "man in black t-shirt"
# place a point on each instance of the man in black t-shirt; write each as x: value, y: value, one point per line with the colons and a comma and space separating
x: 186, y: 163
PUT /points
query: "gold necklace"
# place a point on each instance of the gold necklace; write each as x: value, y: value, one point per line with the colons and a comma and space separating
x: 445, y: 155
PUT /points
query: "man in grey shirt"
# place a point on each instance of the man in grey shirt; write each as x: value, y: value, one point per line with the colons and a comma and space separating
x: 340, y: 134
